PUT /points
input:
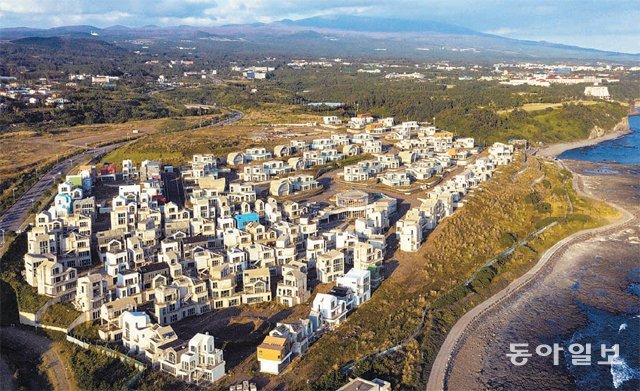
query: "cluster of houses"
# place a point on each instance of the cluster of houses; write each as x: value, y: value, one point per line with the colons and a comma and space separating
x: 39, y: 93
x: 547, y: 79
x: 139, y: 262
x: 445, y: 197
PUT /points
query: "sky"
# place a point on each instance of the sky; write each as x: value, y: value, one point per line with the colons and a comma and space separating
x: 600, y: 24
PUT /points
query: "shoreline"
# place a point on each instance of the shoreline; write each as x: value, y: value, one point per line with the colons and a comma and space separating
x: 554, y: 150
x: 441, y: 367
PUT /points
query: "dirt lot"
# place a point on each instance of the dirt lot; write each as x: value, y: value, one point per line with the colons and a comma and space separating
x: 239, y: 331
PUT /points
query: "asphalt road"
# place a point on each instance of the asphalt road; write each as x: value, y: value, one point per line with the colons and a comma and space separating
x: 174, y: 190
x: 13, y: 218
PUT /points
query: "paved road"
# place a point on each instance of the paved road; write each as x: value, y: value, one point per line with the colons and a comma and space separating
x: 36, y: 347
x: 17, y: 214
x: 440, y: 367
x: 174, y: 190
x: 14, y: 217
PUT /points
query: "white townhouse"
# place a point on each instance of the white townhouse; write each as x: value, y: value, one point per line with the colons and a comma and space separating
x: 195, y: 361
x: 359, y: 282
x: 327, y: 310
x: 330, y: 265
x: 252, y: 154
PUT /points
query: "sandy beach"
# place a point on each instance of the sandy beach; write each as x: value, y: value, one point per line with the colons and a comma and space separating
x: 621, y: 129
x: 590, y: 269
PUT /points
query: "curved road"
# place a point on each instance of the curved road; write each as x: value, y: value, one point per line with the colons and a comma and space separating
x: 440, y: 367
x: 15, y: 216
x: 35, y: 346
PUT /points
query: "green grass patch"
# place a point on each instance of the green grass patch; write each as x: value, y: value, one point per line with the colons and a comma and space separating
x: 60, y: 314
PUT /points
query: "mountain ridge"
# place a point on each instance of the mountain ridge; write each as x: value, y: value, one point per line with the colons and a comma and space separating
x: 404, y: 36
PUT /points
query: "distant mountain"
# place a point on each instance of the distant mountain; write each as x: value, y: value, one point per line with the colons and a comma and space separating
x: 377, y: 25
x: 117, y: 27
x: 64, y: 47
x: 340, y: 36
x: 25, y: 32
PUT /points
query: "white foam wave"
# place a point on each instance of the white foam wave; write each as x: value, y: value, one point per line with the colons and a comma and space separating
x: 621, y: 372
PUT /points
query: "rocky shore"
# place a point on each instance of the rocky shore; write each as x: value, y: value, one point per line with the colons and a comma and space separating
x: 593, y: 271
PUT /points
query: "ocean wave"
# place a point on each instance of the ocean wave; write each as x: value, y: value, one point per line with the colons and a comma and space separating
x: 621, y: 372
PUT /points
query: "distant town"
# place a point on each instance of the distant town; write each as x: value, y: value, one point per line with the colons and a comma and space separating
x: 45, y: 92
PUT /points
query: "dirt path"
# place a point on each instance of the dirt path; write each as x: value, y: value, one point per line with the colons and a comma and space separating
x: 35, y: 348
x: 442, y: 363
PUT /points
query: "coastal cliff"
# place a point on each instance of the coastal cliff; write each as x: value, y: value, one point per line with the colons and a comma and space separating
x: 596, y: 136
x: 621, y: 127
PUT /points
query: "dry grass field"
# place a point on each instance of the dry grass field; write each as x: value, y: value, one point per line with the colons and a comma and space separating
x: 255, y: 129
x: 29, y: 148
x: 529, y: 107
x: 273, y: 113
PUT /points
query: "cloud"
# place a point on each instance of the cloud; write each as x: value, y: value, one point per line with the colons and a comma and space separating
x: 501, y: 31
x: 566, y: 21
x: 190, y: 21
x: 22, y: 7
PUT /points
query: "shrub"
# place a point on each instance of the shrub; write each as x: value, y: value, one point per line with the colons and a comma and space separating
x: 507, y: 239
x: 95, y: 371
x: 532, y: 198
x: 579, y: 218
x: 544, y: 222
x: 543, y: 207
x: 60, y: 314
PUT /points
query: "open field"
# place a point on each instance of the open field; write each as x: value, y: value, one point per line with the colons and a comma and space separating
x: 32, y: 148
x: 273, y: 113
x: 529, y: 107
x: 177, y: 148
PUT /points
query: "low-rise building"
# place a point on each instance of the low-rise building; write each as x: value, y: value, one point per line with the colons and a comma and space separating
x: 359, y: 282
x: 330, y: 266
x: 274, y: 354
x: 197, y: 360
x: 292, y: 290
x: 256, y: 285
x: 327, y: 310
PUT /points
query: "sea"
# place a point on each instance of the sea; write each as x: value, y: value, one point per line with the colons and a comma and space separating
x: 624, y: 150
x: 605, y: 327
x: 603, y: 331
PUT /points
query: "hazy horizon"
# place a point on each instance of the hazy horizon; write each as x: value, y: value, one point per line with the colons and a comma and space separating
x: 604, y: 25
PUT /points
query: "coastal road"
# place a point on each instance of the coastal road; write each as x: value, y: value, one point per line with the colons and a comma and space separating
x: 440, y: 367
x: 17, y: 214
